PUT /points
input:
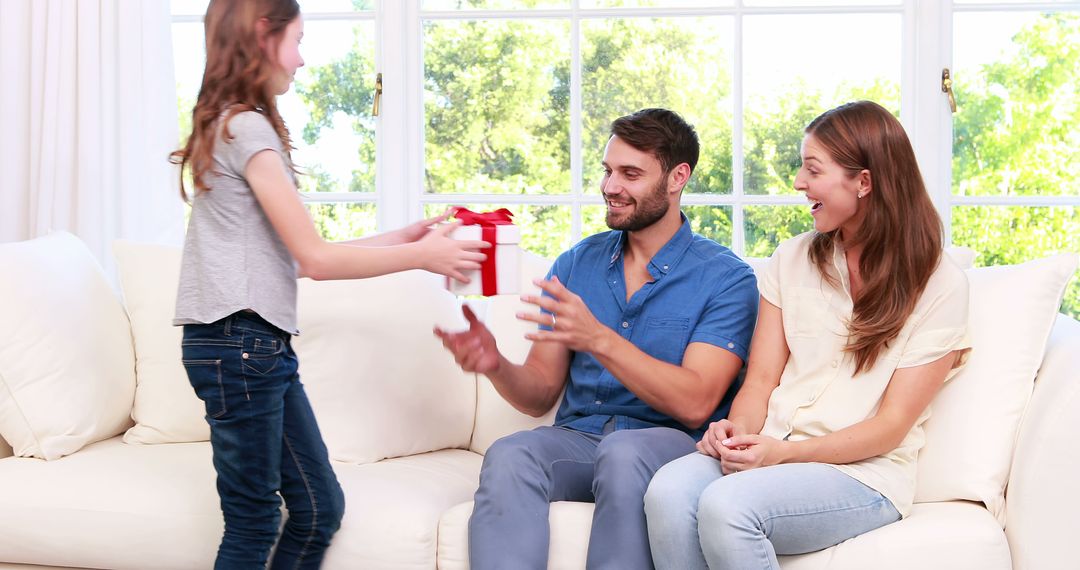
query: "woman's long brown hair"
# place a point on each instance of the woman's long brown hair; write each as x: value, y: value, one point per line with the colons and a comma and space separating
x: 901, y: 233
x: 236, y: 79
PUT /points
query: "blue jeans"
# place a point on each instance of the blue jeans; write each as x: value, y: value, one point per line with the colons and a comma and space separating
x: 524, y: 472
x: 699, y: 518
x: 265, y: 442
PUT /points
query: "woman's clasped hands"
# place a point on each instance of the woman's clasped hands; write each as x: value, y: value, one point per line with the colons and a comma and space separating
x: 738, y: 450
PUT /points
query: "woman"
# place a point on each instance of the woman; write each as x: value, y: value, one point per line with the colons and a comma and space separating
x: 861, y: 322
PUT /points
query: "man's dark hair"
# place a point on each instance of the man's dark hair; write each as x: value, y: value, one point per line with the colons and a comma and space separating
x: 663, y: 133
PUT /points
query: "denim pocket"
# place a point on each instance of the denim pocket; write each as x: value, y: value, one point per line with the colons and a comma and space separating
x: 205, y: 378
x: 262, y: 352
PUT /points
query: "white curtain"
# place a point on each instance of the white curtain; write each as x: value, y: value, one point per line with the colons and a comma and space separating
x: 87, y: 118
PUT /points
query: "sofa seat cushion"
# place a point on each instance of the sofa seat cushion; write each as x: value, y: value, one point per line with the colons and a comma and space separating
x: 570, y: 524
x: 392, y: 508
x: 112, y: 505
x: 935, y: 536
x: 147, y: 507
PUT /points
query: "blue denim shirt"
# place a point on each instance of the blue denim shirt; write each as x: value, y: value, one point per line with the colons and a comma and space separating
x: 700, y: 292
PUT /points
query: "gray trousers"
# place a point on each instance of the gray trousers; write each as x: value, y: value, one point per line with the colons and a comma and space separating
x: 524, y: 472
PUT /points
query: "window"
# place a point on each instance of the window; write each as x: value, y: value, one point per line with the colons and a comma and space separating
x: 506, y: 103
x: 1016, y: 134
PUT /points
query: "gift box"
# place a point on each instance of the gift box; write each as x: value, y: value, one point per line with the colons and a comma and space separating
x: 500, y: 273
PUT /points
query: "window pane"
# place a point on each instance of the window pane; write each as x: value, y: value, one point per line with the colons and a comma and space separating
x: 768, y: 226
x: 1017, y: 83
x: 329, y: 109
x: 189, y: 59
x: 1007, y: 235
x: 339, y: 221
x: 189, y: 7
x: 497, y: 96
x: 713, y: 222
x: 335, y: 6
x: 683, y: 64
x: 654, y: 3
x: 789, y: 81
x: 491, y: 4
x: 821, y: 2
x: 545, y: 229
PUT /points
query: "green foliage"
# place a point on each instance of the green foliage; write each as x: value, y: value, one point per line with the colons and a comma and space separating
x: 1017, y: 133
x: 344, y: 87
x: 497, y: 108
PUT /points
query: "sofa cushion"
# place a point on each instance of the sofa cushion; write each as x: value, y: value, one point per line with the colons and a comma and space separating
x: 380, y: 381
x: 166, y: 409
x: 935, y: 535
x: 392, y: 509
x: 972, y: 430
x: 67, y: 370
x: 495, y: 417
x: 112, y: 505
x: 1042, y: 499
x: 150, y: 507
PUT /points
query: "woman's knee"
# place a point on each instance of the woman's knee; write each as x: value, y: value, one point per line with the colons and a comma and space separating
x: 677, y: 485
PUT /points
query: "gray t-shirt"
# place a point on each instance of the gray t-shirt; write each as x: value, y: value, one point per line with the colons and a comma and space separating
x: 233, y: 259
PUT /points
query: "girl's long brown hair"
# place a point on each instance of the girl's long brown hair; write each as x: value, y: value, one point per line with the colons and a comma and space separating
x: 901, y: 233
x: 237, y: 78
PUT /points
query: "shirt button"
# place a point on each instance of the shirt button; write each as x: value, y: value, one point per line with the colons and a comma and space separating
x: 665, y: 268
x: 598, y: 402
x: 625, y: 324
x: 244, y: 356
x: 731, y: 345
x: 834, y: 363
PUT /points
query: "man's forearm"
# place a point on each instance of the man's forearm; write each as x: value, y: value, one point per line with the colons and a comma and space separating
x: 525, y: 387
x: 674, y: 390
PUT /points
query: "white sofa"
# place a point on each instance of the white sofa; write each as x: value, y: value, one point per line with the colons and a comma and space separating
x: 92, y: 381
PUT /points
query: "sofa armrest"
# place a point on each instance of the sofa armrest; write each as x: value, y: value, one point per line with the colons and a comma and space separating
x: 5, y: 449
x: 1041, y: 499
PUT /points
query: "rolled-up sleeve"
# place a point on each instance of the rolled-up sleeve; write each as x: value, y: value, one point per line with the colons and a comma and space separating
x: 943, y: 325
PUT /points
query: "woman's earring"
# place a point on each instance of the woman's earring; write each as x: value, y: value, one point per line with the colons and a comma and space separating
x: 860, y: 195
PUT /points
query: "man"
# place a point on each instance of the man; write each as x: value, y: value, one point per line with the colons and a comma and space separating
x: 647, y: 327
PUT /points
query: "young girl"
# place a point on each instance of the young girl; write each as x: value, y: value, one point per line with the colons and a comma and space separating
x: 248, y: 240
x: 860, y: 323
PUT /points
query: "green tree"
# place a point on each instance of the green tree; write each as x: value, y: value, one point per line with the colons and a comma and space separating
x: 1017, y: 133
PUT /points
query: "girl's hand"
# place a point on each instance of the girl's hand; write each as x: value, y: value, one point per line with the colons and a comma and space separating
x: 418, y: 230
x: 445, y: 256
x: 715, y: 433
x: 749, y: 451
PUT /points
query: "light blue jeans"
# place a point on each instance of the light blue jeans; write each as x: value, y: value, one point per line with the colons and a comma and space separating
x: 699, y: 518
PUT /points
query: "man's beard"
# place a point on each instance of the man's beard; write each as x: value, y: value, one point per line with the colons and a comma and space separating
x: 647, y: 211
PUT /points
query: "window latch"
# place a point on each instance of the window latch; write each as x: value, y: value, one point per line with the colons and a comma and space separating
x: 946, y: 87
x: 378, y: 95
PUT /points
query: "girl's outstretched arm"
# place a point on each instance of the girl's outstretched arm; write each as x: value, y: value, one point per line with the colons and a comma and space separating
x: 319, y: 259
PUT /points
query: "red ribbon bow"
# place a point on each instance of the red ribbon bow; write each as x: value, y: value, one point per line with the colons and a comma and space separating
x: 488, y: 222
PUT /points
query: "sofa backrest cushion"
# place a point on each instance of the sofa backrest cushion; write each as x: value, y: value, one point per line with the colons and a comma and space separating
x: 67, y: 369
x: 381, y: 383
x: 495, y: 417
x: 972, y: 429
x: 166, y: 409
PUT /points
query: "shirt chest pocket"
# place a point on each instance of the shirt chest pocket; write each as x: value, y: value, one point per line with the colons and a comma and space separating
x: 667, y: 338
x: 807, y: 312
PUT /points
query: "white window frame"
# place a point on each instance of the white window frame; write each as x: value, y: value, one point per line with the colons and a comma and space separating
x: 926, y: 36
